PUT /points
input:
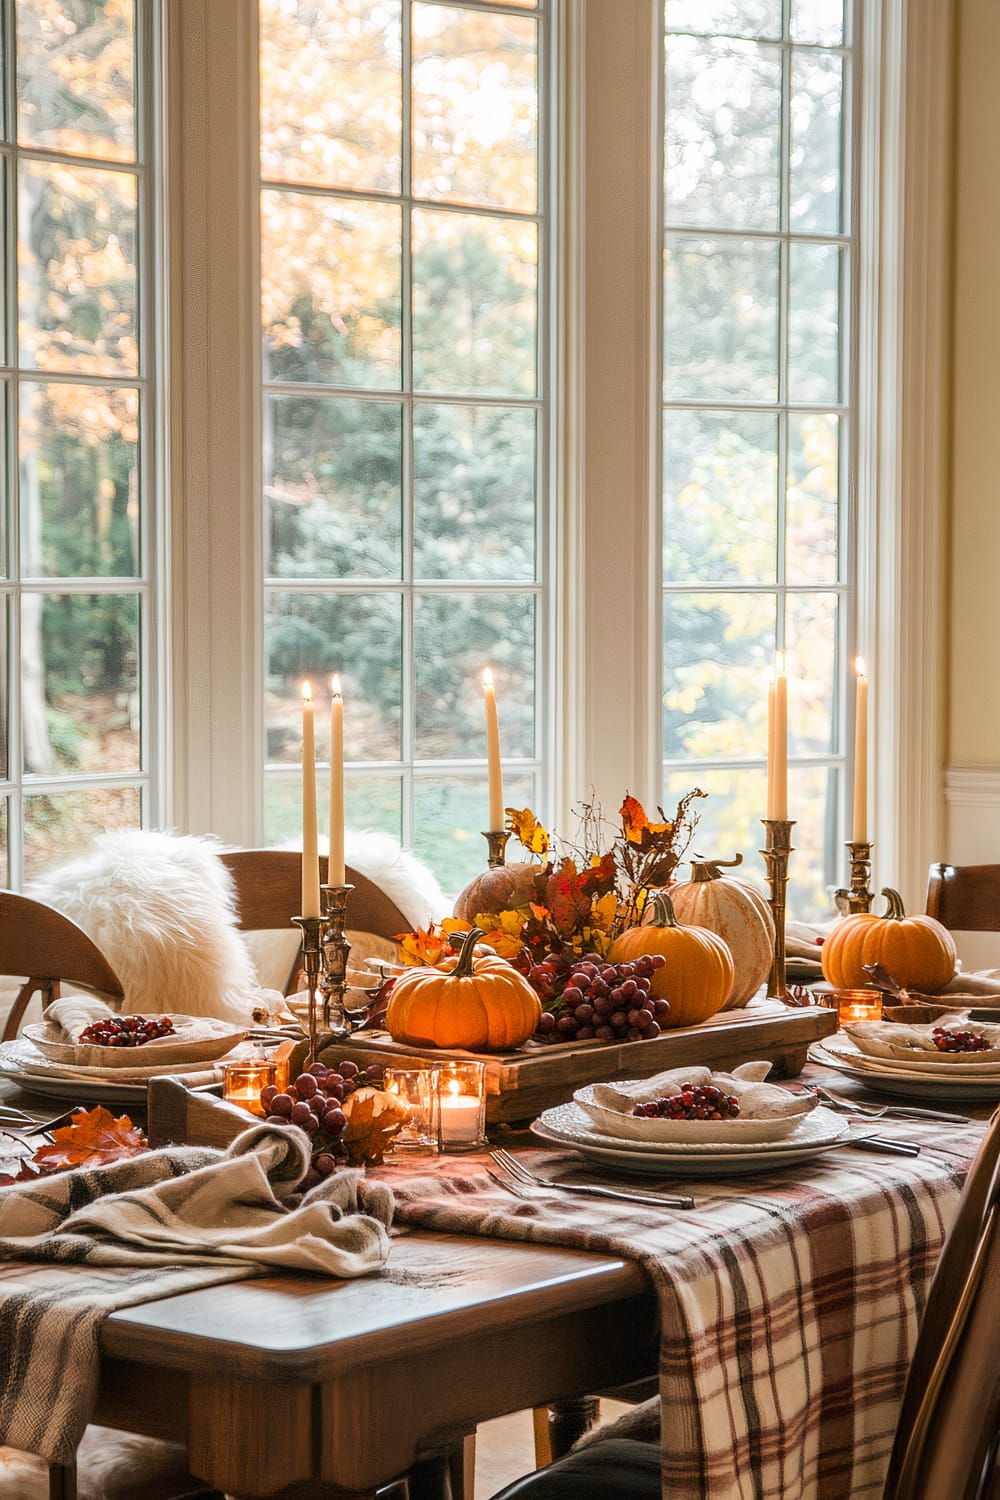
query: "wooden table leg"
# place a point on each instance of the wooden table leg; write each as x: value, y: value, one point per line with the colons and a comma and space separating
x: 569, y: 1420
x: 430, y: 1478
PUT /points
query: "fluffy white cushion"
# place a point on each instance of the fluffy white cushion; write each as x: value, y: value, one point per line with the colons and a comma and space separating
x: 110, y: 1466
x: 404, y: 878
x: 161, y: 908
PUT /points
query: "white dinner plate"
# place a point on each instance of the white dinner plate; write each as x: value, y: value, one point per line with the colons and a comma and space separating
x: 23, y: 1065
x: 566, y: 1125
x: 921, y: 1085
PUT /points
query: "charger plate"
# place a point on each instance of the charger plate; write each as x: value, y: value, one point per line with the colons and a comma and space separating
x: 952, y: 1086
x: 23, y: 1065
x: 568, y: 1126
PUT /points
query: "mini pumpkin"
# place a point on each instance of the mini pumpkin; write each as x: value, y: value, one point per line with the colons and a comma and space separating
x: 501, y: 888
x: 738, y: 912
x: 480, y: 1003
x: 698, y: 974
x: 917, y: 951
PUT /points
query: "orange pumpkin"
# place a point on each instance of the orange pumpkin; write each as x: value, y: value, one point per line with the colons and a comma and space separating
x: 917, y: 951
x: 481, y: 1004
x: 738, y: 912
x: 698, y: 974
x: 500, y: 888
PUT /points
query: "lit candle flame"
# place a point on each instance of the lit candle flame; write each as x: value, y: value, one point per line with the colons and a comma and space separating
x: 779, y: 663
x: 454, y: 1088
x: 307, y: 692
x: 487, y: 677
x: 859, y: 666
x: 335, y: 685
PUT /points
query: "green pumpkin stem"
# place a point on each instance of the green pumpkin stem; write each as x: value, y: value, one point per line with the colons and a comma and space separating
x: 663, y: 910
x: 463, y: 969
x: 711, y: 869
x: 894, y: 911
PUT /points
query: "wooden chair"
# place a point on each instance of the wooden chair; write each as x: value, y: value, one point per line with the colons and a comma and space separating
x: 965, y: 898
x: 269, y: 894
x: 41, y: 943
x: 948, y: 1433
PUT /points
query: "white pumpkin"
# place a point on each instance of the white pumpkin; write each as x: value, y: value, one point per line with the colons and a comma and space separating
x: 735, y: 910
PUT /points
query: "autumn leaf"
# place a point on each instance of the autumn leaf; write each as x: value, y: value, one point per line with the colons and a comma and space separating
x: 527, y: 830
x: 374, y: 1119
x: 604, y: 911
x: 94, y: 1138
x: 636, y: 826
x: 424, y: 947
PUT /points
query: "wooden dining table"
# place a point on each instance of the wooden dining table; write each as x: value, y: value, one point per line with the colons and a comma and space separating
x: 295, y: 1385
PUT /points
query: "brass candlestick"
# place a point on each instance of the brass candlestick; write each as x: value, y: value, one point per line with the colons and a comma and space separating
x: 312, y: 956
x: 335, y: 951
x: 859, y: 897
x: 778, y: 840
x: 497, y: 845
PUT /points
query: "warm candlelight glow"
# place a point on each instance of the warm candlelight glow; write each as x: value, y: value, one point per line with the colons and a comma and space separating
x: 858, y: 1005
x: 462, y: 1100
x: 243, y: 1081
x: 336, y: 872
x: 310, y: 853
x: 493, y: 764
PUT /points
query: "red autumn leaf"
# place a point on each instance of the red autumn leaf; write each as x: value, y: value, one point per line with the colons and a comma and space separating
x: 93, y: 1139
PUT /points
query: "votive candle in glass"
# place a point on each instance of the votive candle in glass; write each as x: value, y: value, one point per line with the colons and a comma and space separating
x: 243, y: 1081
x: 858, y: 1005
x: 417, y: 1089
x: 462, y: 1106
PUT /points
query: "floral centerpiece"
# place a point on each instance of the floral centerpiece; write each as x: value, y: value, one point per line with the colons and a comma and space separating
x: 568, y: 905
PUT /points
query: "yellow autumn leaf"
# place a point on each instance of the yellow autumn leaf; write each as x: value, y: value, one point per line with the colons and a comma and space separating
x: 604, y: 911
x: 527, y: 830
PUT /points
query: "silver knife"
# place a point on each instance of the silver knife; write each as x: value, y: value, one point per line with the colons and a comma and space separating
x: 882, y: 1143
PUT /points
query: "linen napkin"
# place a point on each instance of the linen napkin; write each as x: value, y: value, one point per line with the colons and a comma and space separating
x: 758, y: 1100
x: 78, y: 1245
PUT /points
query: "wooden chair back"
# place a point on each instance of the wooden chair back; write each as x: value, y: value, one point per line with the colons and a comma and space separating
x: 37, y: 941
x: 949, y: 1421
x: 269, y: 893
x: 965, y: 898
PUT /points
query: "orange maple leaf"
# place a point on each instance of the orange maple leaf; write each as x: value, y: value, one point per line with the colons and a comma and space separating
x: 94, y: 1138
x: 635, y: 824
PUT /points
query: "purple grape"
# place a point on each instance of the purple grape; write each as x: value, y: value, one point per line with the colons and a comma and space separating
x: 281, y: 1104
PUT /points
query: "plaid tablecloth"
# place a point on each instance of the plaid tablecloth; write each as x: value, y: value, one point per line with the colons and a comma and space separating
x: 788, y: 1302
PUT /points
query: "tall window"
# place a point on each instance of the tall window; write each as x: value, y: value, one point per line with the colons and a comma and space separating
x: 756, y: 416
x: 75, y: 543
x: 402, y: 247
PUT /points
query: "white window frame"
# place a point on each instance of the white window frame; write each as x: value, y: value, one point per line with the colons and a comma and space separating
x: 606, y: 673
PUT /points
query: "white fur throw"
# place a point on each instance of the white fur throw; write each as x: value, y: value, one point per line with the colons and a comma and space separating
x: 404, y: 878
x: 111, y: 1466
x: 161, y: 908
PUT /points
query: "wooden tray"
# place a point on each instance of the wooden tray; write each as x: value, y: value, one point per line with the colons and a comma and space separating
x: 519, y: 1085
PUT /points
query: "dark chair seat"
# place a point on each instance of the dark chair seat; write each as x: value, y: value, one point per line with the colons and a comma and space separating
x: 619, y: 1469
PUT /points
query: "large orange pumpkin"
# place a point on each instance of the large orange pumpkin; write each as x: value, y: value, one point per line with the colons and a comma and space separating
x: 500, y: 888
x: 482, y: 1004
x: 738, y: 912
x: 698, y: 974
x: 917, y: 951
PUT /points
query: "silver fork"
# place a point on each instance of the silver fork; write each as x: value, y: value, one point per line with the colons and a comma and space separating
x: 891, y: 1111
x: 527, y: 1178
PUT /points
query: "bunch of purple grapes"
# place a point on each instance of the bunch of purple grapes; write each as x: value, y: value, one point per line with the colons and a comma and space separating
x: 589, y: 997
x: 314, y: 1102
x: 694, y: 1102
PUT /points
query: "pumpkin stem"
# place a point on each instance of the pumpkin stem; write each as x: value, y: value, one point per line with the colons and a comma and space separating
x: 663, y: 910
x: 894, y: 911
x: 711, y: 869
x: 463, y: 969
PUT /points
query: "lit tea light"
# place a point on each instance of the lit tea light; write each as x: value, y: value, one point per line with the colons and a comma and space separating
x: 243, y: 1082
x: 858, y: 1005
x: 462, y: 1107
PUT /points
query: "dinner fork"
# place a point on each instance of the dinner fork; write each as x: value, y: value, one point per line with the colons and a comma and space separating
x: 521, y: 1173
x: 891, y: 1111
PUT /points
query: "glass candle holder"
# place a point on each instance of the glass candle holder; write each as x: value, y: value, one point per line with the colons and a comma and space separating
x: 461, y: 1093
x: 243, y: 1081
x: 857, y: 1005
x: 417, y: 1088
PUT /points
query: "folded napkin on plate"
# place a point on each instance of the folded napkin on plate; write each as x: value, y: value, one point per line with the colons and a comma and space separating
x: 149, y: 1227
x: 804, y: 941
x: 766, y: 1111
x: 983, y: 982
x: 74, y: 1013
x: 916, y: 1044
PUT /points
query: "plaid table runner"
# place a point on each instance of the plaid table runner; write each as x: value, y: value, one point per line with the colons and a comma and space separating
x: 77, y: 1246
x: 788, y: 1302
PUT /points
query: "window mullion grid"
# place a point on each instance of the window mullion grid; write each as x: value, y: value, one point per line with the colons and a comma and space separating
x: 408, y: 695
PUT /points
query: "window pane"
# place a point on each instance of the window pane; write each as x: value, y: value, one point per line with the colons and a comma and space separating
x: 729, y: 819
x: 311, y: 635
x: 819, y: 863
x: 729, y: 17
x: 474, y: 304
x: 372, y: 803
x: 79, y: 481
x: 331, y: 93
x: 720, y: 477
x: 330, y: 274
x: 816, y: 105
x: 814, y: 323
x: 454, y: 637
x: 475, y: 107
x: 811, y: 635
x: 80, y: 683
x: 723, y: 133
x: 450, y: 812
x: 720, y: 335
x: 812, y: 519
x: 57, y: 828
x: 76, y: 265
x: 5, y: 604
x: 332, y: 487
x: 76, y: 76
x: 474, y: 492
x: 6, y: 519
x: 819, y: 21
x: 716, y: 652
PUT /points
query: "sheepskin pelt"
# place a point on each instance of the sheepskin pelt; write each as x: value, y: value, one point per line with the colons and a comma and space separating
x: 162, y: 909
x: 404, y: 878
x: 110, y: 1466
